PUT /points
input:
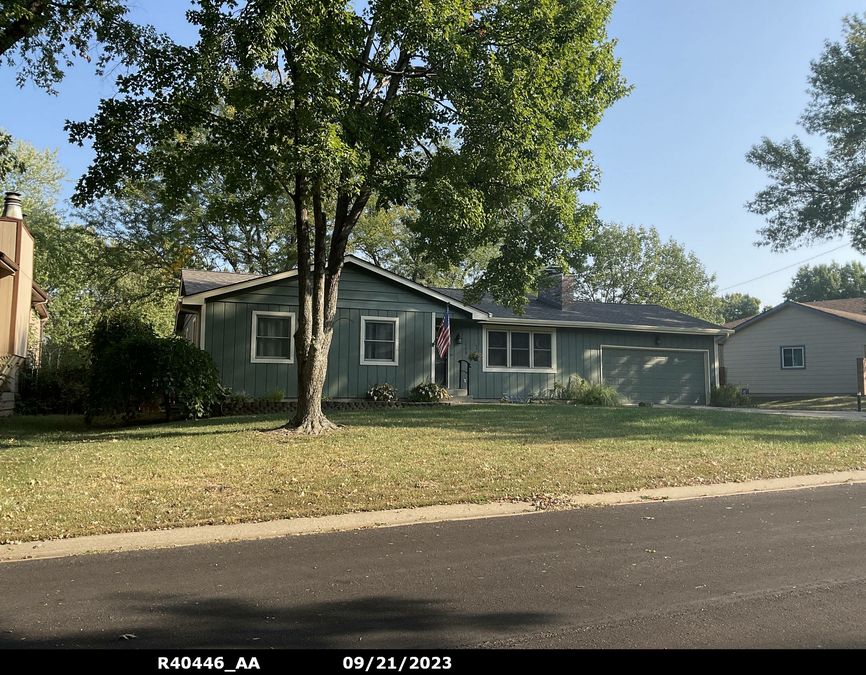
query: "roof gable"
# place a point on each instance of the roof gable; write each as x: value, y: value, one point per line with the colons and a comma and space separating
x: 197, y: 287
x: 817, y: 307
x: 215, y: 286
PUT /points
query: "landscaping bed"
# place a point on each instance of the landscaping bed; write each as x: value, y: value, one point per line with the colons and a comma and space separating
x: 59, y: 478
x: 261, y: 407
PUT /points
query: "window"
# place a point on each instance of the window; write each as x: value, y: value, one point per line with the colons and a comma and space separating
x: 272, y: 337
x: 793, y: 357
x: 497, y: 348
x: 519, y: 350
x: 542, y: 350
x: 379, y: 340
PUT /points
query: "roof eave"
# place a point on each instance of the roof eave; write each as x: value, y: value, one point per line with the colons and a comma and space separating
x: 791, y: 303
x: 610, y: 326
x: 198, y: 299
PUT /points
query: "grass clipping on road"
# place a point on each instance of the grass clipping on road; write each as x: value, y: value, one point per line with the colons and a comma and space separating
x: 59, y: 478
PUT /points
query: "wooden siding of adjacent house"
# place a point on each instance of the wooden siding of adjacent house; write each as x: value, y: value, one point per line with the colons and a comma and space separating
x: 752, y: 356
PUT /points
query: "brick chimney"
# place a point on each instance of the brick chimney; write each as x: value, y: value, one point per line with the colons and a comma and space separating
x: 557, y: 289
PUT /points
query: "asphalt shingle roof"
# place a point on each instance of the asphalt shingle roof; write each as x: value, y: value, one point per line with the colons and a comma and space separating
x: 852, y: 309
x: 198, y: 281
x: 589, y: 312
x: 847, y: 305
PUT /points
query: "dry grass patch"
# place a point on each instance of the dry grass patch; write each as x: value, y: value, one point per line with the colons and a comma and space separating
x: 58, y: 478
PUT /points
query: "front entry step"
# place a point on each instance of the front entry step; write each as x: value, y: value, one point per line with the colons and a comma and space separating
x: 459, y: 396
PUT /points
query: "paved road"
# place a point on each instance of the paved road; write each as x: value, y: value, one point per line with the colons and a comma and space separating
x: 770, y: 570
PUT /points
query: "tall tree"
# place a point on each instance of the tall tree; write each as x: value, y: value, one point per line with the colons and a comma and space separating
x: 216, y: 226
x: 84, y: 273
x: 828, y: 282
x: 386, y: 237
x: 42, y: 37
x: 628, y: 264
x: 814, y: 197
x: 735, y: 306
x: 475, y: 110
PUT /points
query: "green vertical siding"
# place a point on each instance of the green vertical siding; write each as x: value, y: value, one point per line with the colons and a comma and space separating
x: 228, y: 336
x: 578, y: 352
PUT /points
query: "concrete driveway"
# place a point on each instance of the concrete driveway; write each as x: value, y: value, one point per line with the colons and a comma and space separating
x: 825, y: 414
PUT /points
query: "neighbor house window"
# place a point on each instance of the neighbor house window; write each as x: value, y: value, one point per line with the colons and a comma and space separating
x: 272, y: 337
x: 379, y: 340
x: 793, y: 357
x: 519, y: 350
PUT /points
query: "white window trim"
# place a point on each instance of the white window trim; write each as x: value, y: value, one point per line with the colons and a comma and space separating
x: 264, y: 359
x: 381, y: 319
x: 792, y: 348
x: 515, y: 329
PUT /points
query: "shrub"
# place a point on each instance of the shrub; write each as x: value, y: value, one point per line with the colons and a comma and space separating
x: 230, y: 396
x: 51, y: 391
x: 383, y: 392
x: 273, y: 396
x: 187, y: 373
x: 730, y: 396
x: 114, y: 327
x: 428, y: 392
x: 583, y: 392
x: 143, y: 368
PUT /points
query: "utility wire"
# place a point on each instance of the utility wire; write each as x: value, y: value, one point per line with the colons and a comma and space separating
x: 782, y: 269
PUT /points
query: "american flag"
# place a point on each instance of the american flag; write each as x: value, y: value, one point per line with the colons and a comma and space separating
x: 443, y: 340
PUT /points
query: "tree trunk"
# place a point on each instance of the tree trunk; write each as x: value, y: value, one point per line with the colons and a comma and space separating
x: 319, y: 272
x: 309, y: 418
x: 317, y: 295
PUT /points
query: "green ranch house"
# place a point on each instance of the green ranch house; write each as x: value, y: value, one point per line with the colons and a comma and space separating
x: 386, y: 326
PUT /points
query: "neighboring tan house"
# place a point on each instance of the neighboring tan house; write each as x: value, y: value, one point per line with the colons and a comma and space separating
x: 798, y: 348
x: 22, y: 301
x: 386, y: 326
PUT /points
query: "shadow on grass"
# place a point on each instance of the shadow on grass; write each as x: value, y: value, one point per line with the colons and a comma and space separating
x: 189, y: 622
x: 527, y: 424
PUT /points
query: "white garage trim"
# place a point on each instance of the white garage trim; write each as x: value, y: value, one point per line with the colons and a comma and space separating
x: 706, y: 353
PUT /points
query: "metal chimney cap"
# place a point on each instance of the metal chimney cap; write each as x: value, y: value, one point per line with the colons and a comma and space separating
x: 12, y: 206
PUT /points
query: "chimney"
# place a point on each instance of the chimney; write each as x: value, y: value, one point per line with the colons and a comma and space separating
x: 557, y: 289
x: 12, y: 206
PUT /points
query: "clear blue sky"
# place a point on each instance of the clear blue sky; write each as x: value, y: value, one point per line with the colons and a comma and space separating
x: 711, y: 77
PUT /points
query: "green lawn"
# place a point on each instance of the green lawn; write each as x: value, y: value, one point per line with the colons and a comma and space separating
x: 58, y: 478
x: 806, y: 402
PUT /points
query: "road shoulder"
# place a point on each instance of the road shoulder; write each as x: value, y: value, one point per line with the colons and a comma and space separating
x: 211, y: 534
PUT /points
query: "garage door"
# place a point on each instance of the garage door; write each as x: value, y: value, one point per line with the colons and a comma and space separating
x: 657, y: 376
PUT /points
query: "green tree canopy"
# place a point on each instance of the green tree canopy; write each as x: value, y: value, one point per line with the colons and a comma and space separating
x: 628, y: 264
x: 827, y: 282
x: 475, y: 112
x: 41, y: 37
x: 386, y: 238
x: 735, y: 306
x: 818, y: 197
x: 84, y: 273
